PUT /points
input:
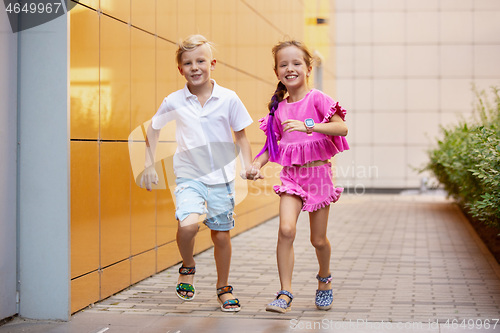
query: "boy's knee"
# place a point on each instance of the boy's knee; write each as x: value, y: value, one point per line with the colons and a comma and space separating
x: 220, y: 237
x: 187, y: 229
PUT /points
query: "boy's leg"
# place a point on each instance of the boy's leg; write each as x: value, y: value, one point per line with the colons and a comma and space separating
x: 185, y: 242
x: 290, y: 207
x: 318, y: 224
x: 222, y: 255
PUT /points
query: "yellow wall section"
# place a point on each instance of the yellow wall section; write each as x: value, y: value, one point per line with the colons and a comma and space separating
x: 122, y: 66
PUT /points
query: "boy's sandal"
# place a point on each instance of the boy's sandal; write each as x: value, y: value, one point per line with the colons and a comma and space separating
x: 230, y: 305
x: 185, y: 287
x: 279, y: 304
x: 324, y: 298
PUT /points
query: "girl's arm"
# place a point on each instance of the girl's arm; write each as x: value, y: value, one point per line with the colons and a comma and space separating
x: 258, y: 163
x: 336, y: 126
x: 149, y: 175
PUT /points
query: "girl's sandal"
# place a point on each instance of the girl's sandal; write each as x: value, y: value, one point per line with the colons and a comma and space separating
x: 185, y: 287
x: 279, y: 304
x: 324, y: 298
x: 230, y: 305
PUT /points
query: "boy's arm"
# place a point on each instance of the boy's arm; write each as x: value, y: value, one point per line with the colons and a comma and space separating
x: 149, y: 175
x: 246, y: 151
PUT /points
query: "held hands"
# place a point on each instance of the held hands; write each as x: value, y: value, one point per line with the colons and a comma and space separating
x: 149, y: 176
x: 253, y: 172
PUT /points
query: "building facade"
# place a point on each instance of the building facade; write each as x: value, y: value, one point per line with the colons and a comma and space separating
x: 77, y: 92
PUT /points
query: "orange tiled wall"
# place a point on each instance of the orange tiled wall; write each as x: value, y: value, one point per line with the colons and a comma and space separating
x: 122, y: 66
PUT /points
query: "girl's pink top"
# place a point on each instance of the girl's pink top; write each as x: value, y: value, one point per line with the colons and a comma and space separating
x: 298, y: 148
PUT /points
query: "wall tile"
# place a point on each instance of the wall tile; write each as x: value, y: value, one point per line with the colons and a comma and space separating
x: 389, y: 128
x: 389, y: 94
x: 363, y: 60
x: 456, y: 95
x: 389, y: 61
x: 388, y: 27
x: 423, y: 95
x: 485, y: 56
x: 422, y: 27
x: 456, y: 27
x: 456, y: 61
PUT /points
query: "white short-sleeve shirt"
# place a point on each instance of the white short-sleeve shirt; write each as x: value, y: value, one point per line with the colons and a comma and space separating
x: 205, y: 147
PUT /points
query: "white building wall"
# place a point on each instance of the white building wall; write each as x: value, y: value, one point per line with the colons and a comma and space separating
x: 403, y: 68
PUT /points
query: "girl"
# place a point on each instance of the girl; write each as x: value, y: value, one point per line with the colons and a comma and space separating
x: 310, y: 128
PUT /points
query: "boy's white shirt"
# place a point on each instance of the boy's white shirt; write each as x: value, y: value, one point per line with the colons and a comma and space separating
x: 203, y: 135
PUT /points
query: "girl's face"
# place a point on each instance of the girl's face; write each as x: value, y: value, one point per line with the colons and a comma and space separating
x: 291, y: 68
x: 196, y: 66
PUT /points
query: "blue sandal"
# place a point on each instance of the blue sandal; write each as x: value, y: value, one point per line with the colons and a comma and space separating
x: 228, y: 305
x: 185, y: 287
x: 324, y: 298
x: 279, y: 304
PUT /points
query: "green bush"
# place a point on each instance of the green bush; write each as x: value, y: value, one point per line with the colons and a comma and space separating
x: 467, y: 161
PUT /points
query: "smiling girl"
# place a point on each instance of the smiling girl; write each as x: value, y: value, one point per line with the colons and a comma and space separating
x: 309, y: 126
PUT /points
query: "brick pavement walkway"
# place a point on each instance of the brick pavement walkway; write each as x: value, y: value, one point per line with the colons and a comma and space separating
x: 394, y: 258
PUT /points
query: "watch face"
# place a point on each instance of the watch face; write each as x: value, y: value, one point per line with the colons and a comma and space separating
x: 309, y: 122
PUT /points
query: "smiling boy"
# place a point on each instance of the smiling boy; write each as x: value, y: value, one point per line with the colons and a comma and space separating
x: 205, y: 113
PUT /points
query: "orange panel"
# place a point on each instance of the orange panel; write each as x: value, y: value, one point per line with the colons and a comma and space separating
x: 165, y: 199
x: 166, y: 19
x: 168, y: 255
x: 144, y: 14
x: 167, y: 74
x: 115, y: 278
x: 143, y: 220
x: 84, y: 291
x: 143, y: 77
x: 166, y: 223
x: 186, y: 19
x: 84, y: 207
x: 91, y: 3
x: 115, y: 202
x: 115, y: 80
x: 84, y: 73
x: 203, y: 19
x: 119, y: 9
x: 143, y: 266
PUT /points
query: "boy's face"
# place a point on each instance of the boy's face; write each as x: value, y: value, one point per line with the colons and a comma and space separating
x: 196, y: 66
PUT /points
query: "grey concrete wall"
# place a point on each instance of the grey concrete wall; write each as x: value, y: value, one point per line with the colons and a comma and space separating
x: 8, y: 151
x: 44, y: 250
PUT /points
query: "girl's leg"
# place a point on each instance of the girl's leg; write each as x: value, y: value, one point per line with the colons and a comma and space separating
x: 319, y: 223
x: 290, y: 207
x: 185, y: 243
x: 222, y: 255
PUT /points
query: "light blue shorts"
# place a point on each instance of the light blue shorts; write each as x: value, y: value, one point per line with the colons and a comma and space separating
x: 217, y: 201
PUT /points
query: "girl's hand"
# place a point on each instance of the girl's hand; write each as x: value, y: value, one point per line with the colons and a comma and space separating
x: 149, y: 176
x: 292, y: 125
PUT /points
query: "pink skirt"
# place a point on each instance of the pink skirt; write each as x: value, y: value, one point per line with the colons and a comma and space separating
x: 312, y: 184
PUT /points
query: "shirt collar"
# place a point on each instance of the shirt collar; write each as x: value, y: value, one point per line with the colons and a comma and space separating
x: 216, y: 92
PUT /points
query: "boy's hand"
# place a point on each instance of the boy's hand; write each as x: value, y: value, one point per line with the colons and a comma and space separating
x: 149, y: 176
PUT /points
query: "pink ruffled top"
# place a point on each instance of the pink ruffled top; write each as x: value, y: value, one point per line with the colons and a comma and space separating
x: 298, y: 148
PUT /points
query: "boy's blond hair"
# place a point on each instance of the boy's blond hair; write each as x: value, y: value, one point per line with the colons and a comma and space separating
x: 190, y: 43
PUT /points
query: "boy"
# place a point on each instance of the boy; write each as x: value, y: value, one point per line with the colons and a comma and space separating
x: 204, y: 164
